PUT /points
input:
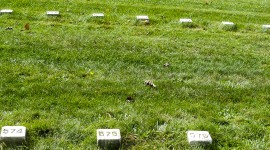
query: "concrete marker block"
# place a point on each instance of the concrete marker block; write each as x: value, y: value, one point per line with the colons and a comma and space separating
x: 13, y: 134
x: 108, y: 138
x: 225, y: 23
x: 143, y: 19
x: 199, y: 137
x: 228, y: 26
x: 53, y: 13
x: 266, y: 27
x: 98, y: 15
x: 6, y: 11
x: 185, y: 20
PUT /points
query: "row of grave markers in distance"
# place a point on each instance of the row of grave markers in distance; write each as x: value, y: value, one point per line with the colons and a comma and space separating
x: 144, y: 19
x: 49, y: 13
x: 106, y: 138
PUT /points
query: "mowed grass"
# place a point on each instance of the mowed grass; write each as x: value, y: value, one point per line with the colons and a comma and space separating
x: 70, y: 75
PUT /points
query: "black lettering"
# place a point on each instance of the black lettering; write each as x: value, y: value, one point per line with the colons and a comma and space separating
x: 100, y: 133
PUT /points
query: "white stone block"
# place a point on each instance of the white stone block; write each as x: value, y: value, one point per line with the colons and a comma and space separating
x: 143, y: 19
x: 199, y: 137
x: 108, y: 138
x: 98, y: 15
x: 6, y: 11
x: 227, y: 23
x: 13, y: 133
x: 185, y: 20
x: 266, y: 27
x: 53, y: 13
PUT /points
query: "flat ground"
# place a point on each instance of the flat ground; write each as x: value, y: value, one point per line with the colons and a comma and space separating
x: 67, y: 76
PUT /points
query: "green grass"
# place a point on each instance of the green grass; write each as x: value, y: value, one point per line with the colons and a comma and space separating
x: 70, y: 75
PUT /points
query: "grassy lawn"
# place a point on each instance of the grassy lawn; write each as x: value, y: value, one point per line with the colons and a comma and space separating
x: 70, y: 75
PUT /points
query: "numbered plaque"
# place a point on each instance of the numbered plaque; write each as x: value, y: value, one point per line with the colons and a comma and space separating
x: 97, y: 15
x: 108, y: 138
x: 185, y: 21
x: 6, y: 11
x: 53, y: 13
x: 13, y: 133
x: 199, y: 137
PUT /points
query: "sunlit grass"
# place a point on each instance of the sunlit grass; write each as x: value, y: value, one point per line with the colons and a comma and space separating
x: 70, y: 75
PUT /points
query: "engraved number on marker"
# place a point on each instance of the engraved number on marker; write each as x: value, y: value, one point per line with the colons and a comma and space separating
x: 108, y: 133
x: 200, y: 136
x: 205, y: 135
x: 114, y: 133
x: 13, y: 130
x: 19, y: 131
x: 192, y: 135
x: 101, y: 133
x: 6, y: 131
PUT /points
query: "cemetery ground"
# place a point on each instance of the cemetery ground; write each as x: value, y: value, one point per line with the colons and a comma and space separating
x: 63, y: 77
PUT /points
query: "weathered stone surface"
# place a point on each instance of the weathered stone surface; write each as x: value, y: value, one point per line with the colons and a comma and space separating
x: 13, y: 134
x: 6, y: 11
x: 108, y: 138
x: 53, y: 13
x: 98, y: 15
x: 228, y: 23
x: 199, y: 137
x: 185, y: 20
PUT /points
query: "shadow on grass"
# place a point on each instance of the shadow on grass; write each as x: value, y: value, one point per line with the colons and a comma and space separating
x: 15, y: 145
x: 189, y: 25
x: 203, y: 147
x: 129, y: 141
x: 229, y: 28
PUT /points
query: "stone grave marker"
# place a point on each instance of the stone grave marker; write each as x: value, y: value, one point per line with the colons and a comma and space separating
x: 6, y: 11
x: 11, y: 134
x: 266, y: 27
x: 98, y: 15
x: 228, y: 26
x: 185, y: 20
x: 53, y: 13
x: 199, y: 137
x: 225, y: 23
x: 108, y: 138
x: 143, y: 19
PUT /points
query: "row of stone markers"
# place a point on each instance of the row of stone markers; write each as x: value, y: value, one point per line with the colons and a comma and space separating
x: 106, y: 138
x: 143, y: 19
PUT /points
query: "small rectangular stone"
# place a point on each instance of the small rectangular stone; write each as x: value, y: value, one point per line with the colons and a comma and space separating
x: 199, y: 137
x: 108, y: 138
x: 184, y: 20
x: 53, y: 13
x: 228, y: 23
x: 98, y: 15
x: 6, y: 11
x: 142, y: 18
x: 266, y: 27
x: 13, y: 133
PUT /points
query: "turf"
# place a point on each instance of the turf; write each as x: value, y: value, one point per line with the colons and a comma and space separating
x: 70, y: 75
